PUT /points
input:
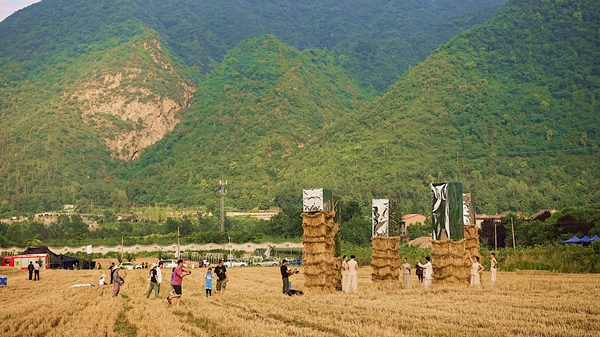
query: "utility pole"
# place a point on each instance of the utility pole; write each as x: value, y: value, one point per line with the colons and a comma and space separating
x: 495, y: 237
x: 178, y: 253
x: 512, y: 224
x: 222, y: 193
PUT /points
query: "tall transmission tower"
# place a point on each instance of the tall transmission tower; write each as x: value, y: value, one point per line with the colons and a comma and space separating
x: 222, y: 193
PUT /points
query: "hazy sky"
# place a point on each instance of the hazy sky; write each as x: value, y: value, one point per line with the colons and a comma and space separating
x: 7, y: 7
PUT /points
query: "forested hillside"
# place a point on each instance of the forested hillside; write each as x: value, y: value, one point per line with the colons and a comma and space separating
x: 201, y: 32
x: 508, y: 108
x: 96, y: 102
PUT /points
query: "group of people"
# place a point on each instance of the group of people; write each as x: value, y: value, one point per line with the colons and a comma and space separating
x: 427, y: 271
x: 177, y: 275
x: 349, y: 274
x: 349, y: 270
x: 34, y: 269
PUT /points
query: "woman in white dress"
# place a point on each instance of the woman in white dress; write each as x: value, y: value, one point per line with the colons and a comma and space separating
x: 345, y: 270
x: 493, y: 267
x: 476, y: 269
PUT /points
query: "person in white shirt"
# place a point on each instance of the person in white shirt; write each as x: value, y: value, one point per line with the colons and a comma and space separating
x: 102, y: 280
x: 428, y: 269
x: 345, y: 270
x: 493, y: 267
x: 36, y: 271
x: 351, y: 282
x: 476, y: 269
x: 159, y: 275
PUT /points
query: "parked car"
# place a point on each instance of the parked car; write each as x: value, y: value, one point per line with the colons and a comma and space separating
x: 168, y: 263
x: 295, y: 262
x: 126, y: 265
x: 267, y: 263
x: 235, y: 263
x: 171, y: 264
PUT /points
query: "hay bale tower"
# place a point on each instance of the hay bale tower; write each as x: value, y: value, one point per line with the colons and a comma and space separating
x: 384, y: 259
x: 450, y: 258
x: 321, y: 269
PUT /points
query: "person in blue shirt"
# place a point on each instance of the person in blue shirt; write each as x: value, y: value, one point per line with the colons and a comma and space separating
x: 208, y: 277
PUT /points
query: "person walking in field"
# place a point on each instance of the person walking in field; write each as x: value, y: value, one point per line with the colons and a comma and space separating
x: 221, y: 272
x: 352, y: 282
x: 493, y: 267
x: 117, y: 281
x: 36, y: 271
x: 428, y: 271
x: 406, y: 273
x: 153, y: 275
x: 476, y: 269
x: 30, y: 269
x: 345, y: 270
x: 159, y: 276
x: 177, y: 278
x: 208, y: 277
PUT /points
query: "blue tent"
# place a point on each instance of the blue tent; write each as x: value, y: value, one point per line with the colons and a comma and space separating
x: 585, y: 239
x: 574, y: 239
x: 595, y: 238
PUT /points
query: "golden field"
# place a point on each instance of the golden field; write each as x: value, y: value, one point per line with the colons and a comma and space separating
x: 520, y: 304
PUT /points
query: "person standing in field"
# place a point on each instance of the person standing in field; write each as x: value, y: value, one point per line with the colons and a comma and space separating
x: 208, y: 277
x: 285, y: 274
x: 221, y: 272
x: 406, y: 273
x: 419, y: 272
x: 152, y: 274
x: 117, y: 281
x: 476, y: 269
x: 111, y: 269
x: 345, y: 270
x: 36, y: 271
x: 493, y: 267
x: 352, y: 282
x: 177, y: 278
x: 30, y: 269
x: 428, y: 270
x: 159, y: 276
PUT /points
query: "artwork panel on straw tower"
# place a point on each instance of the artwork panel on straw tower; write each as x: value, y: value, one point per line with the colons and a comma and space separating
x: 380, y: 217
x: 447, y: 210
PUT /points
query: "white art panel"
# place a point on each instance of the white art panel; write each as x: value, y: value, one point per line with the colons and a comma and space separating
x: 380, y: 217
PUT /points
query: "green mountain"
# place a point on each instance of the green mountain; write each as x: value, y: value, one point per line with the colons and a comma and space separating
x: 201, y: 32
x: 65, y: 128
x: 121, y: 102
x: 509, y: 108
x: 253, y: 119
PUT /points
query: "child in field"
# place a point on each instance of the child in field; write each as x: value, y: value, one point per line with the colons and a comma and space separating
x: 208, y: 277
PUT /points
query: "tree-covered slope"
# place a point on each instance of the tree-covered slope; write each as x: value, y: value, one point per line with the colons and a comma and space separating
x: 375, y: 64
x: 64, y: 128
x: 509, y: 108
x: 251, y: 120
x: 201, y: 32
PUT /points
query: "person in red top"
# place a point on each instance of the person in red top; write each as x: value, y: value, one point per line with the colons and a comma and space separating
x: 178, y: 274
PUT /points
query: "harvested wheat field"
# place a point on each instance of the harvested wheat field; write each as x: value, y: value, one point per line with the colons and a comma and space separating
x: 520, y: 304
